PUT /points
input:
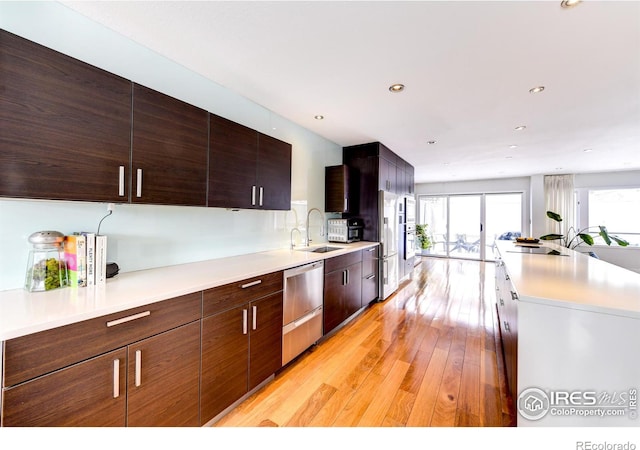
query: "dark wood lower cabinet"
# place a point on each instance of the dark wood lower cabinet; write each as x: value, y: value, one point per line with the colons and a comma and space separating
x: 156, y: 387
x: 225, y: 361
x: 90, y: 393
x: 342, y: 290
x: 370, y: 269
x: 265, y: 343
x: 163, y: 377
x: 241, y: 348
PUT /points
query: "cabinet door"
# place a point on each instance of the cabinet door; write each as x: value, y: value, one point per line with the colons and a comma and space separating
x: 334, y: 302
x: 401, y: 181
x: 169, y: 156
x: 274, y: 173
x: 163, y: 379
x: 233, y: 153
x: 62, y: 119
x: 410, y: 179
x: 336, y: 189
x: 265, y: 344
x: 353, y: 289
x: 225, y: 361
x: 91, y: 393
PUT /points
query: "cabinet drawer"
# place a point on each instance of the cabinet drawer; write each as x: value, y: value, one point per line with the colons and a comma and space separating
x: 370, y: 261
x: 231, y: 295
x: 342, y: 261
x: 29, y: 356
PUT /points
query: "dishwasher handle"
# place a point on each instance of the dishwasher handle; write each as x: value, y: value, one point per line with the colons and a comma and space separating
x: 302, y: 320
x: 302, y: 269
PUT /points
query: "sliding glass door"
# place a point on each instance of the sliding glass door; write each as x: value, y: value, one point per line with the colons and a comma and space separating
x: 468, y: 225
x: 464, y: 226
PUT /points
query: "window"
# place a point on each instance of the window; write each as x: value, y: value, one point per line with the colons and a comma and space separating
x: 616, y: 209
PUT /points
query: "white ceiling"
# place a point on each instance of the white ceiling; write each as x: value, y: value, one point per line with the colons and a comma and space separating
x: 467, y: 66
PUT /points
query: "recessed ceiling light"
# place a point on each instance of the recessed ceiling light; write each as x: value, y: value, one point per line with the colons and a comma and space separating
x: 520, y: 127
x: 536, y: 89
x: 587, y: 150
x: 396, y: 87
x: 431, y: 142
x: 569, y: 3
x: 318, y: 117
x: 513, y: 146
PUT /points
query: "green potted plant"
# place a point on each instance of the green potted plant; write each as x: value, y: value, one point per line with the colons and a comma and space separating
x: 574, y: 238
x: 423, y: 237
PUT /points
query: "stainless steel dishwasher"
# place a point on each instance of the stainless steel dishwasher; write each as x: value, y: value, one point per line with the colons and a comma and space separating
x: 302, y: 309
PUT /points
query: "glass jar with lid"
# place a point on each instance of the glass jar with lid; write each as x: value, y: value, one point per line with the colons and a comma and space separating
x: 46, y: 268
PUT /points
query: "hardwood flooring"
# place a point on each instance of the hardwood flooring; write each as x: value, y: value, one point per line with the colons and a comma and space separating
x: 429, y: 355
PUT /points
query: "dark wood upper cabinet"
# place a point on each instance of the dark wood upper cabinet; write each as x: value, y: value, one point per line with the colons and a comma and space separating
x: 273, y: 173
x: 233, y: 158
x: 169, y: 151
x: 247, y: 169
x: 66, y: 125
x: 341, y: 189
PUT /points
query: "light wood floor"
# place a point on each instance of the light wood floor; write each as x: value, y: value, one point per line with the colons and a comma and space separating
x: 429, y: 355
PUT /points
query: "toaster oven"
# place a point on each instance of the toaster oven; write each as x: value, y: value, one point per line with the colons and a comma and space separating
x: 345, y: 230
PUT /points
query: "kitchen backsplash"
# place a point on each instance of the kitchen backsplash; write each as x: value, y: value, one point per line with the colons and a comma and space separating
x: 146, y: 236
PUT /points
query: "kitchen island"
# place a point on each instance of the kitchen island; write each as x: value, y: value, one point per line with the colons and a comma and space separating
x: 570, y: 328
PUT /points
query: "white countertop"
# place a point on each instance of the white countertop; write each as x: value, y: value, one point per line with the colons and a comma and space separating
x: 23, y: 313
x: 576, y: 281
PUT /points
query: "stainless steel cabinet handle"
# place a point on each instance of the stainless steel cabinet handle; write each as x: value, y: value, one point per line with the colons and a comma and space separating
x: 139, y: 183
x: 347, y: 276
x: 121, y: 181
x: 128, y: 318
x: 344, y: 277
x: 138, y: 368
x: 261, y: 195
x: 255, y: 318
x: 346, y: 203
x: 253, y: 195
x: 371, y: 249
x: 116, y: 378
x: 244, y: 321
x: 253, y: 283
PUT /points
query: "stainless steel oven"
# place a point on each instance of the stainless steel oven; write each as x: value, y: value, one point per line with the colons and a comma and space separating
x: 410, y: 210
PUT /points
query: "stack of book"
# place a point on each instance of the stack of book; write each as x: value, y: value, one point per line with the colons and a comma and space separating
x: 86, y: 257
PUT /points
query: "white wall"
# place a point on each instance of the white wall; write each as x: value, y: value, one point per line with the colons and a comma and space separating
x: 144, y: 236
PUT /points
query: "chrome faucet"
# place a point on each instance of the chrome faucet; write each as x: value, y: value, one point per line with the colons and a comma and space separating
x: 308, y: 239
x: 299, y: 232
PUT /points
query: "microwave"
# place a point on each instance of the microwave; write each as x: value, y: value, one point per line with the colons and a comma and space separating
x: 345, y: 230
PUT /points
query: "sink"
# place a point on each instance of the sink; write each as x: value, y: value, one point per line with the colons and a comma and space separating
x: 323, y: 249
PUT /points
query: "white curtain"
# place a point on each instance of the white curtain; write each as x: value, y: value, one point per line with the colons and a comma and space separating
x: 559, y: 198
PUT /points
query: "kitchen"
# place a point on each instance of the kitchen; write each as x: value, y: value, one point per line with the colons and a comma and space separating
x: 165, y: 235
